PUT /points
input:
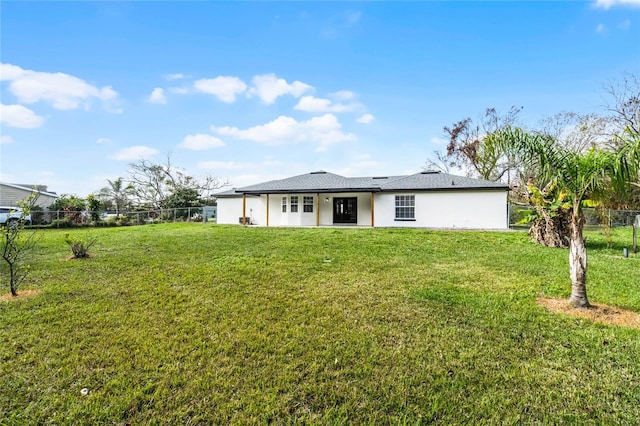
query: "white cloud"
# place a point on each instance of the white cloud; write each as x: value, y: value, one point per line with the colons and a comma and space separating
x: 353, y: 18
x: 313, y: 104
x: 179, y: 90
x: 268, y: 87
x: 323, y: 130
x: 600, y: 28
x: 177, y: 76
x: 62, y: 91
x: 270, y: 161
x: 343, y: 95
x: 224, y: 88
x: 134, y: 153
x: 361, y: 165
x: 606, y: 4
x: 366, y: 119
x: 625, y: 25
x: 10, y: 72
x: 439, y: 141
x: 226, y: 165
x: 201, y: 142
x: 157, y: 96
x: 103, y: 140
x: 4, y: 139
x: 340, y: 23
x: 19, y: 116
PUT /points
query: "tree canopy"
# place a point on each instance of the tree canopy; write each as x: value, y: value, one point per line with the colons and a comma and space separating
x: 580, y: 175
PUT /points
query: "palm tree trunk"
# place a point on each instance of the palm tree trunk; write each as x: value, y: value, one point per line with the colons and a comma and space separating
x: 578, y: 263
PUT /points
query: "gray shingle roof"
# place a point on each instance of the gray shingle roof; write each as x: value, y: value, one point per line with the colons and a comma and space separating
x: 329, y: 182
x: 439, y: 181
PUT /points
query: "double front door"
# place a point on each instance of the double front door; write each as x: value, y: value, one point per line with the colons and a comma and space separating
x: 345, y: 210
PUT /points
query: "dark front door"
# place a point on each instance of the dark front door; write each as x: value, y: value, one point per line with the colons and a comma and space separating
x: 345, y: 210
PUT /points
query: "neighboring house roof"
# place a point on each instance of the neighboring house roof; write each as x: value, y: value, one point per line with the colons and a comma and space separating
x: 42, y: 188
x: 322, y: 181
x: 34, y: 188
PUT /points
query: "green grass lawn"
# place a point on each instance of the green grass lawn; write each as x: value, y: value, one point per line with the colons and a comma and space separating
x: 205, y: 324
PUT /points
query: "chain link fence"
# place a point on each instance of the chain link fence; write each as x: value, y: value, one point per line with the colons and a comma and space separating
x: 67, y: 219
x: 593, y: 217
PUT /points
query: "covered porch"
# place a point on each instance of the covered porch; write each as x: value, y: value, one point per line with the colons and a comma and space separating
x: 309, y: 209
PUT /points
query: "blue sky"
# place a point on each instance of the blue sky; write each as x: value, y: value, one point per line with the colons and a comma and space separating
x: 258, y: 91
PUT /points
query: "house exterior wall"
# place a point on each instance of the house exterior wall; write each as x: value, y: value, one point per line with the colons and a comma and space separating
x: 10, y: 196
x: 229, y: 210
x: 364, y: 208
x: 299, y: 218
x: 447, y: 209
x: 436, y: 209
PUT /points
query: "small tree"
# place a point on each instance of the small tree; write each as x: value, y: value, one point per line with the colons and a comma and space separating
x: 72, y: 206
x: 118, y: 193
x: 15, y: 244
x: 550, y: 215
x: 580, y: 175
x: 95, y: 205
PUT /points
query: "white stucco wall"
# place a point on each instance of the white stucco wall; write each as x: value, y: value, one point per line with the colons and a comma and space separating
x: 447, y: 209
x: 300, y: 218
x: 436, y: 209
x: 230, y: 210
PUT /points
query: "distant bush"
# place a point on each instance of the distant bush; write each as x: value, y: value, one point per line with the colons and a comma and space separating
x: 123, y: 220
x: 65, y: 222
x: 119, y: 220
x: 37, y: 215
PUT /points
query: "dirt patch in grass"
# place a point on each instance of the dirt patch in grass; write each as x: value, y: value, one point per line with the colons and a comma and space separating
x: 610, y: 315
x: 21, y: 295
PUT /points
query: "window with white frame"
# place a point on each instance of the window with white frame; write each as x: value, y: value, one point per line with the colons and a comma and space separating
x: 405, y: 207
x: 284, y: 204
x: 294, y: 204
x: 307, y: 204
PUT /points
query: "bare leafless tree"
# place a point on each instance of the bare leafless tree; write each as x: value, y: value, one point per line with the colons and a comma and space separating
x: 624, y: 102
x: 153, y: 183
x: 467, y: 150
x: 439, y: 162
x: 16, y: 243
x: 578, y: 132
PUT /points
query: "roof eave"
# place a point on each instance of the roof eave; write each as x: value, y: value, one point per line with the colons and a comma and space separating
x: 450, y: 188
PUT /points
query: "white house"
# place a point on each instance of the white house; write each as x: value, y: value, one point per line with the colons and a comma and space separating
x: 11, y: 193
x: 426, y: 200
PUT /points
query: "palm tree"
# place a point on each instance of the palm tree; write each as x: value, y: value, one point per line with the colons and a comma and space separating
x: 581, y: 175
x: 117, y: 192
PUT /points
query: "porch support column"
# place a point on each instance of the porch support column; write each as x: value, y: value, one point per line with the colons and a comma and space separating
x: 267, y: 209
x: 372, y: 210
x: 317, y: 209
x: 244, y: 208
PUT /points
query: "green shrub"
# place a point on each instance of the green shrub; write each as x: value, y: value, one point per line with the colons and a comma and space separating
x: 64, y: 222
x: 79, y: 247
x: 37, y: 215
x: 123, y: 220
